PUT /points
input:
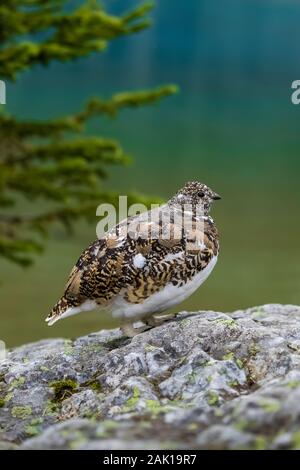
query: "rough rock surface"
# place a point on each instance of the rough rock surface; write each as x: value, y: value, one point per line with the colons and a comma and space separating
x: 203, y: 380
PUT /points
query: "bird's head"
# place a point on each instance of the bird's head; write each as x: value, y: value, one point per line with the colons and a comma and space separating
x: 196, y: 194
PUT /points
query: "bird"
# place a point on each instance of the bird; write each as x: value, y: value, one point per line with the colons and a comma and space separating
x: 147, y: 263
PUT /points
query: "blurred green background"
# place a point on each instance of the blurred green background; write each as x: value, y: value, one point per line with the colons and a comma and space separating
x: 232, y: 126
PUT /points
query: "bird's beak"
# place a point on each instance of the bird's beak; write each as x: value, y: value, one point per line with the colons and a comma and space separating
x: 216, y: 196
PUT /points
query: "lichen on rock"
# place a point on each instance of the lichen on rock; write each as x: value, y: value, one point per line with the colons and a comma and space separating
x: 205, y: 380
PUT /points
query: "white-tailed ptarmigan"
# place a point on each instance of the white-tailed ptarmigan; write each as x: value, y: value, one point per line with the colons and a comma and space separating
x: 147, y: 263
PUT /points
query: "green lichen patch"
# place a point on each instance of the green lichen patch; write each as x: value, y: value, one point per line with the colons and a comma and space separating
x: 68, y: 347
x: 193, y: 427
x: 241, y: 425
x: 106, y: 428
x: 51, y: 409
x: 8, y: 397
x: 269, y: 406
x: 16, y: 382
x: 234, y: 383
x: 36, y: 421
x: 296, y: 440
x: 133, y: 400
x: 110, y: 424
x: 228, y: 357
x: 258, y: 314
x: 33, y: 428
x: 21, y: 412
x: 145, y: 425
x: 185, y: 322
x: 253, y: 349
x: 260, y: 443
x: 230, y: 322
x: 150, y: 347
x: 63, y: 389
x: 31, y: 431
x: 213, y: 398
x: 78, y: 440
x: 239, y: 363
x: 154, y: 406
x: 2, y: 402
x: 292, y: 384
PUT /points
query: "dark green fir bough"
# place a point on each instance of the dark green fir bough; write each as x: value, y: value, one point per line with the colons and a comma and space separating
x: 54, y: 161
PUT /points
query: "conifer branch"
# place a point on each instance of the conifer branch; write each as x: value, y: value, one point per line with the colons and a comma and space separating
x: 53, y: 161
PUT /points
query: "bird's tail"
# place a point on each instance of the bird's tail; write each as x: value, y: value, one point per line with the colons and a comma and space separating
x: 64, y: 308
x: 59, y: 311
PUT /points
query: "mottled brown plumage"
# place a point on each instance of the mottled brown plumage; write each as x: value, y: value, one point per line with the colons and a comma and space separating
x: 132, y: 271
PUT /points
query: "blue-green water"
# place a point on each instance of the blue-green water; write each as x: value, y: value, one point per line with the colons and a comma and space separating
x: 232, y: 125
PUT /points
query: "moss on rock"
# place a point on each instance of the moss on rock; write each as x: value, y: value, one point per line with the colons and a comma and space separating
x: 63, y: 389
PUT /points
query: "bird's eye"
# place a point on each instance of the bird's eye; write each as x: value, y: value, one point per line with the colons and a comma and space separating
x: 200, y: 193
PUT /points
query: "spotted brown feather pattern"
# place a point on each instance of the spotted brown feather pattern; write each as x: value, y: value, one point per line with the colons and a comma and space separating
x: 107, y: 270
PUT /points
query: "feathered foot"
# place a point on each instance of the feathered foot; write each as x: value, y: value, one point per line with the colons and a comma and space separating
x: 129, y: 330
x: 156, y: 321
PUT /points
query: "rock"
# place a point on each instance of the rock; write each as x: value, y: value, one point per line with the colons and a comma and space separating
x: 204, y: 380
